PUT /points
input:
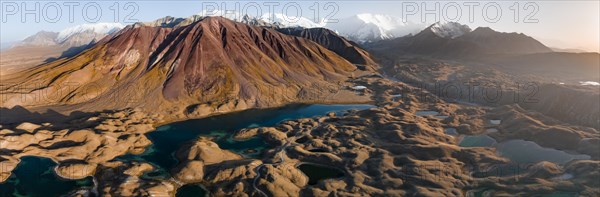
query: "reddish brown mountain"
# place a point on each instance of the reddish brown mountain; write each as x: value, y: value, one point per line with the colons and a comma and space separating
x: 333, y: 42
x: 214, y: 63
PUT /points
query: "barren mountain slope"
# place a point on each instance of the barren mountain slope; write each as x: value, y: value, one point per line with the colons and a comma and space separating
x: 213, y: 65
x: 333, y: 42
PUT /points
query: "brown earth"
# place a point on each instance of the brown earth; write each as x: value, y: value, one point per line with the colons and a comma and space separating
x: 390, y: 151
x: 78, y: 146
x: 20, y: 58
x: 338, y: 44
x: 386, y: 150
x: 554, y: 93
x: 211, y: 66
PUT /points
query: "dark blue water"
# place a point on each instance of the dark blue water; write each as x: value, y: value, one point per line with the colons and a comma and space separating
x: 34, y: 176
x: 168, y: 138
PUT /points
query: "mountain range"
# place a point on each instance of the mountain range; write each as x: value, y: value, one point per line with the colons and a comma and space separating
x: 347, y: 37
x: 366, y: 27
x: 182, y: 60
x: 46, y: 46
x: 361, y: 28
x: 458, y: 41
x: 213, y: 64
x: 332, y: 41
x: 72, y: 37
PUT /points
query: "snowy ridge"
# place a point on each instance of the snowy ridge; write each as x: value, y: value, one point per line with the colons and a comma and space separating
x: 290, y: 21
x: 360, y: 28
x: 75, y: 36
x: 449, y: 29
x: 371, y: 27
x: 278, y: 19
x: 234, y: 16
x: 588, y: 83
x: 98, y: 28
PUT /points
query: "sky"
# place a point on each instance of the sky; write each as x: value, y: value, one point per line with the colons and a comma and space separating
x: 560, y: 24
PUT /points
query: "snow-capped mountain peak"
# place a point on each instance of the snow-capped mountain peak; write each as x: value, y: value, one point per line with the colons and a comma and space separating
x: 75, y: 36
x: 290, y: 21
x: 371, y: 27
x: 98, y: 28
x: 449, y: 29
x: 277, y: 19
x: 382, y: 21
x: 231, y: 15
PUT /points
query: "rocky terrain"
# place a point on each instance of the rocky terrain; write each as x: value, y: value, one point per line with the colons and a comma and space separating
x: 85, y: 147
x: 338, y: 44
x: 18, y: 58
x: 89, y: 113
x: 390, y: 151
x: 550, y: 92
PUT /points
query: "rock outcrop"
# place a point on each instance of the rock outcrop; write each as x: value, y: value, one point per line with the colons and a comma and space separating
x: 124, y: 179
x: 391, y: 151
x: 82, y: 147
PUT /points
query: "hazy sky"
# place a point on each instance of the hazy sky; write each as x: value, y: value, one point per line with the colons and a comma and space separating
x: 564, y: 24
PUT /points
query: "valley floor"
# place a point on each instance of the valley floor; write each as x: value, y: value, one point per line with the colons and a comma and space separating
x: 408, y: 144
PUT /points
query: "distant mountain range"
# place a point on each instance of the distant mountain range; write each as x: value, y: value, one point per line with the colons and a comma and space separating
x: 72, y: 37
x: 266, y: 20
x: 449, y: 30
x: 358, y: 28
x: 361, y: 28
x: 456, y: 40
x: 347, y: 37
x: 373, y: 27
x: 46, y: 46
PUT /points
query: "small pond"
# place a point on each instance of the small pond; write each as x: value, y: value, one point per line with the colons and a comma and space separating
x: 522, y: 151
x: 477, y: 141
x: 426, y: 113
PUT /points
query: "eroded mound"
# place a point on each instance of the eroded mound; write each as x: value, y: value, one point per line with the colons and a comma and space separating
x: 392, y: 151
